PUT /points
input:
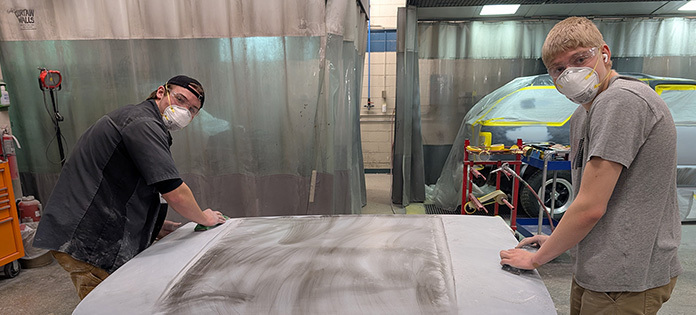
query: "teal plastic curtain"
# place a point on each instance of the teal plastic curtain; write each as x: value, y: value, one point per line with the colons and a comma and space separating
x: 279, y: 133
x: 407, y: 173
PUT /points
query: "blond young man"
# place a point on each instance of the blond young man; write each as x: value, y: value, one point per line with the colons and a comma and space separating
x: 623, y: 228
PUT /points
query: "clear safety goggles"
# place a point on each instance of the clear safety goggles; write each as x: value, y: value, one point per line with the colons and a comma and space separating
x: 579, y: 59
x: 181, y: 101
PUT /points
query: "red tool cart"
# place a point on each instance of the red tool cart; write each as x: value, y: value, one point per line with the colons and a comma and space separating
x: 486, y: 156
x: 11, y: 248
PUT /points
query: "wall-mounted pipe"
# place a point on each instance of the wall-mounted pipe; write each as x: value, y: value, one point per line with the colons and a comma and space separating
x: 369, y: 102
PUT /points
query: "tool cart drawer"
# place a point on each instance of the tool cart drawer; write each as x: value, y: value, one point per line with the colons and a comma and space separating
x: 11, y: 247
x: 5, y: 206
x: 8, y: 246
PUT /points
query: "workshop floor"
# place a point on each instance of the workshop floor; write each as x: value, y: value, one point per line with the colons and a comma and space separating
x: 48, y: 290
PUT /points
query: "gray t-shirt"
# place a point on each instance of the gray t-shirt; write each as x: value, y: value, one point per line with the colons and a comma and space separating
x: 634, y: 245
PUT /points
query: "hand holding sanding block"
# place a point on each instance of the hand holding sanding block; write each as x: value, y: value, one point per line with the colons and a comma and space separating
x: 200, y: 227
x: 519, y: 271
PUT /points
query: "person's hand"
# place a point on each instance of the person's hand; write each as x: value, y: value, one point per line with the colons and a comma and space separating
x: 537, y: 240
x: 518, y: 258
x: 213, y: 217
x: 168, y: 227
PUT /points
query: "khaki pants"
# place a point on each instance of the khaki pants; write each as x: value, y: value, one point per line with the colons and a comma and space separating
x: 583, y: 301
x: 84, y: 276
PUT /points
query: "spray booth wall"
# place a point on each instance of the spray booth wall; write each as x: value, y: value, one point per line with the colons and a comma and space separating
x: 282, y: 80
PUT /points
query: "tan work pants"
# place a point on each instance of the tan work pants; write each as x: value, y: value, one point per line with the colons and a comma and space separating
x: 84, y: 276
x: 583, y: 301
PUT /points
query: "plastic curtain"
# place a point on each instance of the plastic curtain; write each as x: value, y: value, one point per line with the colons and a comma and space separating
x: 279, y: 132
x: 408, y: 177
x: 462, y: 62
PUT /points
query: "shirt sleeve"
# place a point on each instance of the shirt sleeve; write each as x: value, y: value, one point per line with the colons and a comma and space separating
x: 168, y: 185
x: 619, y: 125
x: 148, y: 146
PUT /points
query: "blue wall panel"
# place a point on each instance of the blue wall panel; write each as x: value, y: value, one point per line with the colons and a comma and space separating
x: 382, y: 40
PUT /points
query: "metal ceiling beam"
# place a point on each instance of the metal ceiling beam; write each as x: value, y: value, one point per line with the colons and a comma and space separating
x: 535, y: 9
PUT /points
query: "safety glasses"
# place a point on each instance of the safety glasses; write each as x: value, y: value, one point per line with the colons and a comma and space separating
x: 181, y: 100
x: 579, y: 59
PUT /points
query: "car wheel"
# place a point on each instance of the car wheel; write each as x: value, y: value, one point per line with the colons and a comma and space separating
x: 12, y: 269
x: 563, y: 196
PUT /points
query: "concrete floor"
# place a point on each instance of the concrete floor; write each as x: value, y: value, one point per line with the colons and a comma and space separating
x: 48, y: 290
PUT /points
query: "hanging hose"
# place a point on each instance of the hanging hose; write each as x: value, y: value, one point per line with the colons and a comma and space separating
x: 507, y: 170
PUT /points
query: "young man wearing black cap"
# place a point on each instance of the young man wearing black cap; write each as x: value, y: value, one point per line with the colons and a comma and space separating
x: 105, y: 208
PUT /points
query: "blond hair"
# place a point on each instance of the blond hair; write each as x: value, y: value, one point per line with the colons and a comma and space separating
x: 571, y: 33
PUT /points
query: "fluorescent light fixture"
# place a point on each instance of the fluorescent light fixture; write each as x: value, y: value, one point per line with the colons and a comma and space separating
x: 500, y: 9
x: 689, y: 6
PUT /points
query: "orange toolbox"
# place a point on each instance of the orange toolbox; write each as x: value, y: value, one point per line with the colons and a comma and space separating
x: 11, y: 248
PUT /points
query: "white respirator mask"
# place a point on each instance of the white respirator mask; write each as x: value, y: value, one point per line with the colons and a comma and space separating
x: 176, y: 117
x: 580, y: 84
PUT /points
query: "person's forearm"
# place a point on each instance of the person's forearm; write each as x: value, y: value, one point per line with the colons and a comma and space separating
x: 598, y: 181
x: 577, y: 222
x: 182, y: 201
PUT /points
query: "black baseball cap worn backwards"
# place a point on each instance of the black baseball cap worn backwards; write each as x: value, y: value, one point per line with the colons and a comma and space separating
x: 185, y: 81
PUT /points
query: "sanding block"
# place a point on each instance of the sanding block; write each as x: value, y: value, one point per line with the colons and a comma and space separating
x: 519, y: 271
x: 200, y: 227
x: 515, y: 270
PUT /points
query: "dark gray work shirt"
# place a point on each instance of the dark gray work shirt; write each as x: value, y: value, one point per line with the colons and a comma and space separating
x: 104, y: 206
